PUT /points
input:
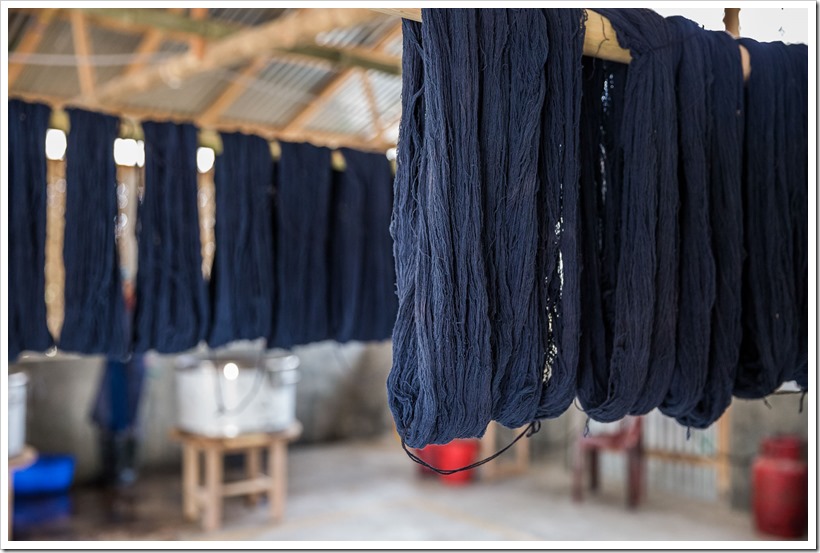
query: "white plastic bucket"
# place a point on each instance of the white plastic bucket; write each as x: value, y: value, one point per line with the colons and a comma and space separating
x: 18, y: 383
x: 236, y: 393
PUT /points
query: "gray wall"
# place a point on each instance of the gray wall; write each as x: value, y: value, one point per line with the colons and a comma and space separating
x: 341, y: 395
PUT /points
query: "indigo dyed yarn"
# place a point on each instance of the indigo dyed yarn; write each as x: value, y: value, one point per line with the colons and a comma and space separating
x: 560, y: 230
x: 362, y: 279
x: 412, y: 405
x: 27, y: 328
x: 302, y: 214
x: 628, y: 370
x: 477, y: 221
x: 772, y: 345
x: 172, y: 310
x: 696, y: 267
x: 719, y: 149
x: 95, y: 318
x: 242, y: 284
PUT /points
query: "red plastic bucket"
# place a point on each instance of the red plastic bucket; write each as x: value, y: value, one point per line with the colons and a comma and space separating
x: 456, y: 454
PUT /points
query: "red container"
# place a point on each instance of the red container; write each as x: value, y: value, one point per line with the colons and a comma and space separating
x: 457, y: 454
x: 428, y: 454
x: 780, y: 486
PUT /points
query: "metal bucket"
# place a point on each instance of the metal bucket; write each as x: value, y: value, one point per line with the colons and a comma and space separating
x: 224, y: 395
x: 18, y: 383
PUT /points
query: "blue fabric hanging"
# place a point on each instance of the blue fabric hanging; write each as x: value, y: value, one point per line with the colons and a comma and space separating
x: 362, y: 275
x: 711, y: 142
x: 477, y: 221
x: 302, y: 207
x: 774, y: 185
x: 27, y: 328
x: 242, y: 284
x: 172, y: 310
x: 630, y: 328
x: 95, y: 317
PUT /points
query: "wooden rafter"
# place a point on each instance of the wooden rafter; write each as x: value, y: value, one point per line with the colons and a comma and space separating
x: 284, y: 32
x: 149, y: 44
x: 329, y: 90
x: 232, y: 92
x: 197, y: 44
x: 31, y: 40
x: 83, y: 50
x: 372, y: 104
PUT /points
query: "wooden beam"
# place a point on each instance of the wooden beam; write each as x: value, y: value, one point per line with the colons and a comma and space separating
x: 600, y: 40
x: 150, y: 43
x: 372, y: 104
x: 351, y: 57
x: 41, y: 19
x: 209, y: 134
x: 233, y: 91
x: 284, y: 32
x: 197, y: 43
x: 307, y: 113
x: 143, y: 19
x: 83, y: 51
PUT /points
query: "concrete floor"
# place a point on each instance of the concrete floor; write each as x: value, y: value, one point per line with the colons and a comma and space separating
x: 371, y: 491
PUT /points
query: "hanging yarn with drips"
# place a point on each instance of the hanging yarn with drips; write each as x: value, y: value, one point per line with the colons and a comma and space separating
x: 27, y: 329
x: 172, y: 310
x: 242, y: 287
x: 302, y: 213
x: 94, y: 305
x: 477, y: 234
x: 719, y: 143
x: 774, y: 184
x: 362, y: 294
x: 630, y: 287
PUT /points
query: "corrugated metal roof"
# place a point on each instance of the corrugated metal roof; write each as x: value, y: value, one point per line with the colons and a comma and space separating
x: 279, y: 92
x: 272, y: 97
x: 360, y: 35
x: 346, y: 112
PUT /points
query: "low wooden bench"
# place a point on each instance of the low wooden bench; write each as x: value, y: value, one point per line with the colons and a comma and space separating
x: 206, y: 499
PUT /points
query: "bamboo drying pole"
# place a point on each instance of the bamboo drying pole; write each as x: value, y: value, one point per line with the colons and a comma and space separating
x: 600, y: 40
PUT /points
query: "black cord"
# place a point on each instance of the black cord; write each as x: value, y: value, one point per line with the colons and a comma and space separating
x: 531, y: 429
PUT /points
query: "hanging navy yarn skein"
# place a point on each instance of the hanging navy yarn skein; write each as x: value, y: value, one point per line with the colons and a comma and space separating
x: 798, y: 146
x: 634, y: 378
x: 172, y: 310
x: 27, y: 328
x: 411, y: 400
x: 559, y: 167
x: 302, y: 207
x: 242, y: 286
x: 770, y: 349
x: 696, y: 264
x: 94, y: 306
x: 477, y: 223
x: 513, y: 49
x: 362, y: 292
x: 725, y: 150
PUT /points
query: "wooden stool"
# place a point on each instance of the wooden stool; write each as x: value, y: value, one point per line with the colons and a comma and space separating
x: 25, y: 459
x: 207, y: 499
x: 628, y: 439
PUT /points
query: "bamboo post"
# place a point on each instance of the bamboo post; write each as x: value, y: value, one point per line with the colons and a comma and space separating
x: 600, y: 39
